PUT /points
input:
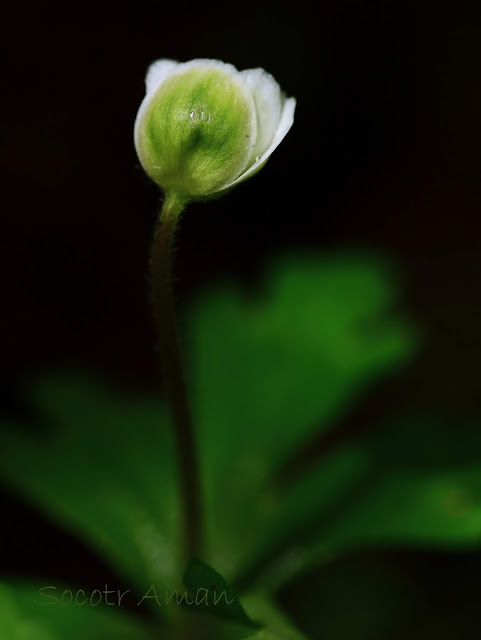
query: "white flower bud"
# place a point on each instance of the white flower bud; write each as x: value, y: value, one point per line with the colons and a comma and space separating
x: 203, y: 126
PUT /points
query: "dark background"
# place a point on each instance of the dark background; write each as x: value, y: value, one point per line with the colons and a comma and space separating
x: 383, y: 155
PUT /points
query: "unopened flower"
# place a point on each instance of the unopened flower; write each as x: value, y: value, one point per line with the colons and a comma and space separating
x: 203, y: 126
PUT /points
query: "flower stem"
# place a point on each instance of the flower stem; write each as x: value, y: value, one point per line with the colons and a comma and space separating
x: 164, y: 316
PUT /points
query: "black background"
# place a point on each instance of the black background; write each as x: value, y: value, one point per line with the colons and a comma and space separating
x: 383, y: 155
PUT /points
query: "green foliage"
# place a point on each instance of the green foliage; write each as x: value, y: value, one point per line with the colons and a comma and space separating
x: 424, y: 490
x: 269, y: 372
x: 105, y: 469
x: 266, y: 373
x: 276, y: 625
x: 211, y: 592
x: 273, y: 623
x: 22, y: 619
x: 383, y: 490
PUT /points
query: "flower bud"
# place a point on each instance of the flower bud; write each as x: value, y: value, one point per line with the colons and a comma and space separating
x: 203, y: 126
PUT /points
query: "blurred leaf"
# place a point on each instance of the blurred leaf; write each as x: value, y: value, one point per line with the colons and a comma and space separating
x: 22, y: 619
x: 405, y: 507
x: 402, y: 492
x: 275, y: 625
x: 266, y: 373
x: 214, y: 594
x: 424, y: 487
x: 105, y: 469
x: 269, y: 372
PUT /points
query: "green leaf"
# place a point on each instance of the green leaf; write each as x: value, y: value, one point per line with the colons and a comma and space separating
x: 213, y: 594
x: 22, y: 619
x: 105, y: 469
x: 423, y: 488
x: 411, y: 483
x: 267, y: 373
x: 270, y: 371
x: 275, y: 624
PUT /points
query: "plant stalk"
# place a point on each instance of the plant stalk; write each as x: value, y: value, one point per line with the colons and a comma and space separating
x: 164, y: 316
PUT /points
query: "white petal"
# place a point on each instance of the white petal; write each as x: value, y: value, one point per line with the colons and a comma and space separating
x: 268, y: 100
x: 286, y: 121
x: 209, y: 62
x: 157, y: 72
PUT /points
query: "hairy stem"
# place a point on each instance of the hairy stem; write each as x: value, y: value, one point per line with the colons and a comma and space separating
x: 164, y: 316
